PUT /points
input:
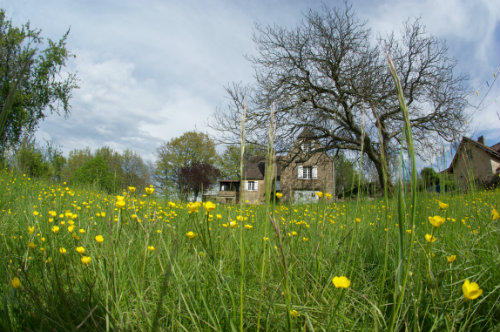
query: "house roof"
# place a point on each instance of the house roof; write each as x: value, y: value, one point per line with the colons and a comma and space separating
x: 255, y: 168
x: 492, y: 151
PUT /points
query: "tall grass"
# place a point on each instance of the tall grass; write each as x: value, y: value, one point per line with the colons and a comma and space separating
x: 177, y: 286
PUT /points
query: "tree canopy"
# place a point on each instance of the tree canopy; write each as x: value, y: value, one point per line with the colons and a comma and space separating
x: 330, y: 74
x: 31, y: 80
x: 182, y: 153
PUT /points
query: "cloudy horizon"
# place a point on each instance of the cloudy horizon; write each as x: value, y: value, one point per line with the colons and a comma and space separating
x: 150, y: 71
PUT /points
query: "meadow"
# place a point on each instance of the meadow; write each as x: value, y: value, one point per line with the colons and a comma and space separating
x: 76, y: 259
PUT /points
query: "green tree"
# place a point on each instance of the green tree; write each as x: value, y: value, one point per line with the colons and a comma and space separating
x: 182, y: 152
x: 95, y: 172
x: 229, y: 162
x: 135, y: 171
x: 76, y: 159
x: 31, y: 80
x: 31, y: 161
x: 114, y: 161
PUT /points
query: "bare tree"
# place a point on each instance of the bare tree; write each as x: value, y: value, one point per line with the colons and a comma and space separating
x: 329, y: 74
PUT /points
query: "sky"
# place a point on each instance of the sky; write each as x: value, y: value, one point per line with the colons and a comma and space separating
x: 152, y: 70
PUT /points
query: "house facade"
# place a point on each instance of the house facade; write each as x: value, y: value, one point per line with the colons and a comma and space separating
x: 475, y: 162
x: 298, y: 175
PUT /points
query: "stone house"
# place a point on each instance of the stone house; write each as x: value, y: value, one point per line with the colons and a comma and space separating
x: 298, y: 175
x: 475, y: 162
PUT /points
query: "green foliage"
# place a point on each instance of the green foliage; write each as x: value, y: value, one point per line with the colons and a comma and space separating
x: 181, y: 152
x: 31, y: 80
x: 229, y: 162
x: 95, y: 172
x: 31, y: 161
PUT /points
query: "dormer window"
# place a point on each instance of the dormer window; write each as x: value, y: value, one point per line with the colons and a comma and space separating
x: 306, y: 147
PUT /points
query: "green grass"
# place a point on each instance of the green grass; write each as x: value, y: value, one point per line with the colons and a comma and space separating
x: 195, y: 284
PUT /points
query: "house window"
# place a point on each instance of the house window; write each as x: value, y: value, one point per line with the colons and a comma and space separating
x: 306, y: 147
x: 252, y: 185
x: 307, y: 172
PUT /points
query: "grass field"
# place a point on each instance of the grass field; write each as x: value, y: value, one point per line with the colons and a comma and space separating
x: 81, y: 260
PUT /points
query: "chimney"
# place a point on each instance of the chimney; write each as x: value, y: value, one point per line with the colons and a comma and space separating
x: 480, y: 139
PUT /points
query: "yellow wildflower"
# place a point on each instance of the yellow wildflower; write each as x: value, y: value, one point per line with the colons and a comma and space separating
x: 99, y: 238
x: 247, y: 226
x: 279, y: 195
x: 494, y: 214
x: 55, y: 229
x: 437, y: 221
x: 328, y: 195
x: 430, y: 238
x: 149, y: 190
x: 62, y: 250
x: 15, y: 282
x: 131, y: 189
x: 80, y: 250
x: 151, y: 248
x: 233, y: 224
x: 86, y: 260
x: 471, y: 290
x: 319, y: 194
x: 32, y: 245
x: 31, y: 229
x: 209, y: 206
x: 191, y: 235
x: 341, y: 282
x: 294, y: 313
x: 451, y: 258
x: 443, y: 206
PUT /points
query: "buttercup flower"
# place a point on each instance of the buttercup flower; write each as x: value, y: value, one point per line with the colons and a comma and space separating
x: 341, y: 282
x: 86, y: 260
x: 55, y: 229
x: 279, y: 195
x: 328, y: 196
x: 247, y: 226
x: 437, y: 221
x: 471, y: 290
x: 31, y: 229
x: 191, y: 235
x: 149, y: 190
x: 294, y: 313
x: 151, y: 248
x: 451, y: 258
x: 99, y: 238
x: 430, y: 238
x: 15, y: 282
x: 443, y: 206
x: 80, y: 250
x: 494, y: 214
x: 209, y: 206
x: 319, y: 194
x: 131, y: 189
x: 62, y: 250
x: 120, y: 202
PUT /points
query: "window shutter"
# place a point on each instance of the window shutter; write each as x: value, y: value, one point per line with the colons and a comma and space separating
x: 315, y: 172
x: 300, y: 172
x: 256, y: 185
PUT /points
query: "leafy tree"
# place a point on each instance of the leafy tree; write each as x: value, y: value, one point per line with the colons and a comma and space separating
x: 429, y: 176
x: 114, y: 161
x: 31, y: 161
x: 183, y: 152
x: 229, y: 163
x: 75, y: 160
x: 195, y: 177
x: 31, y: 82
x: 95, y: 172
x: 135, y: 172
x: 330, y: 75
